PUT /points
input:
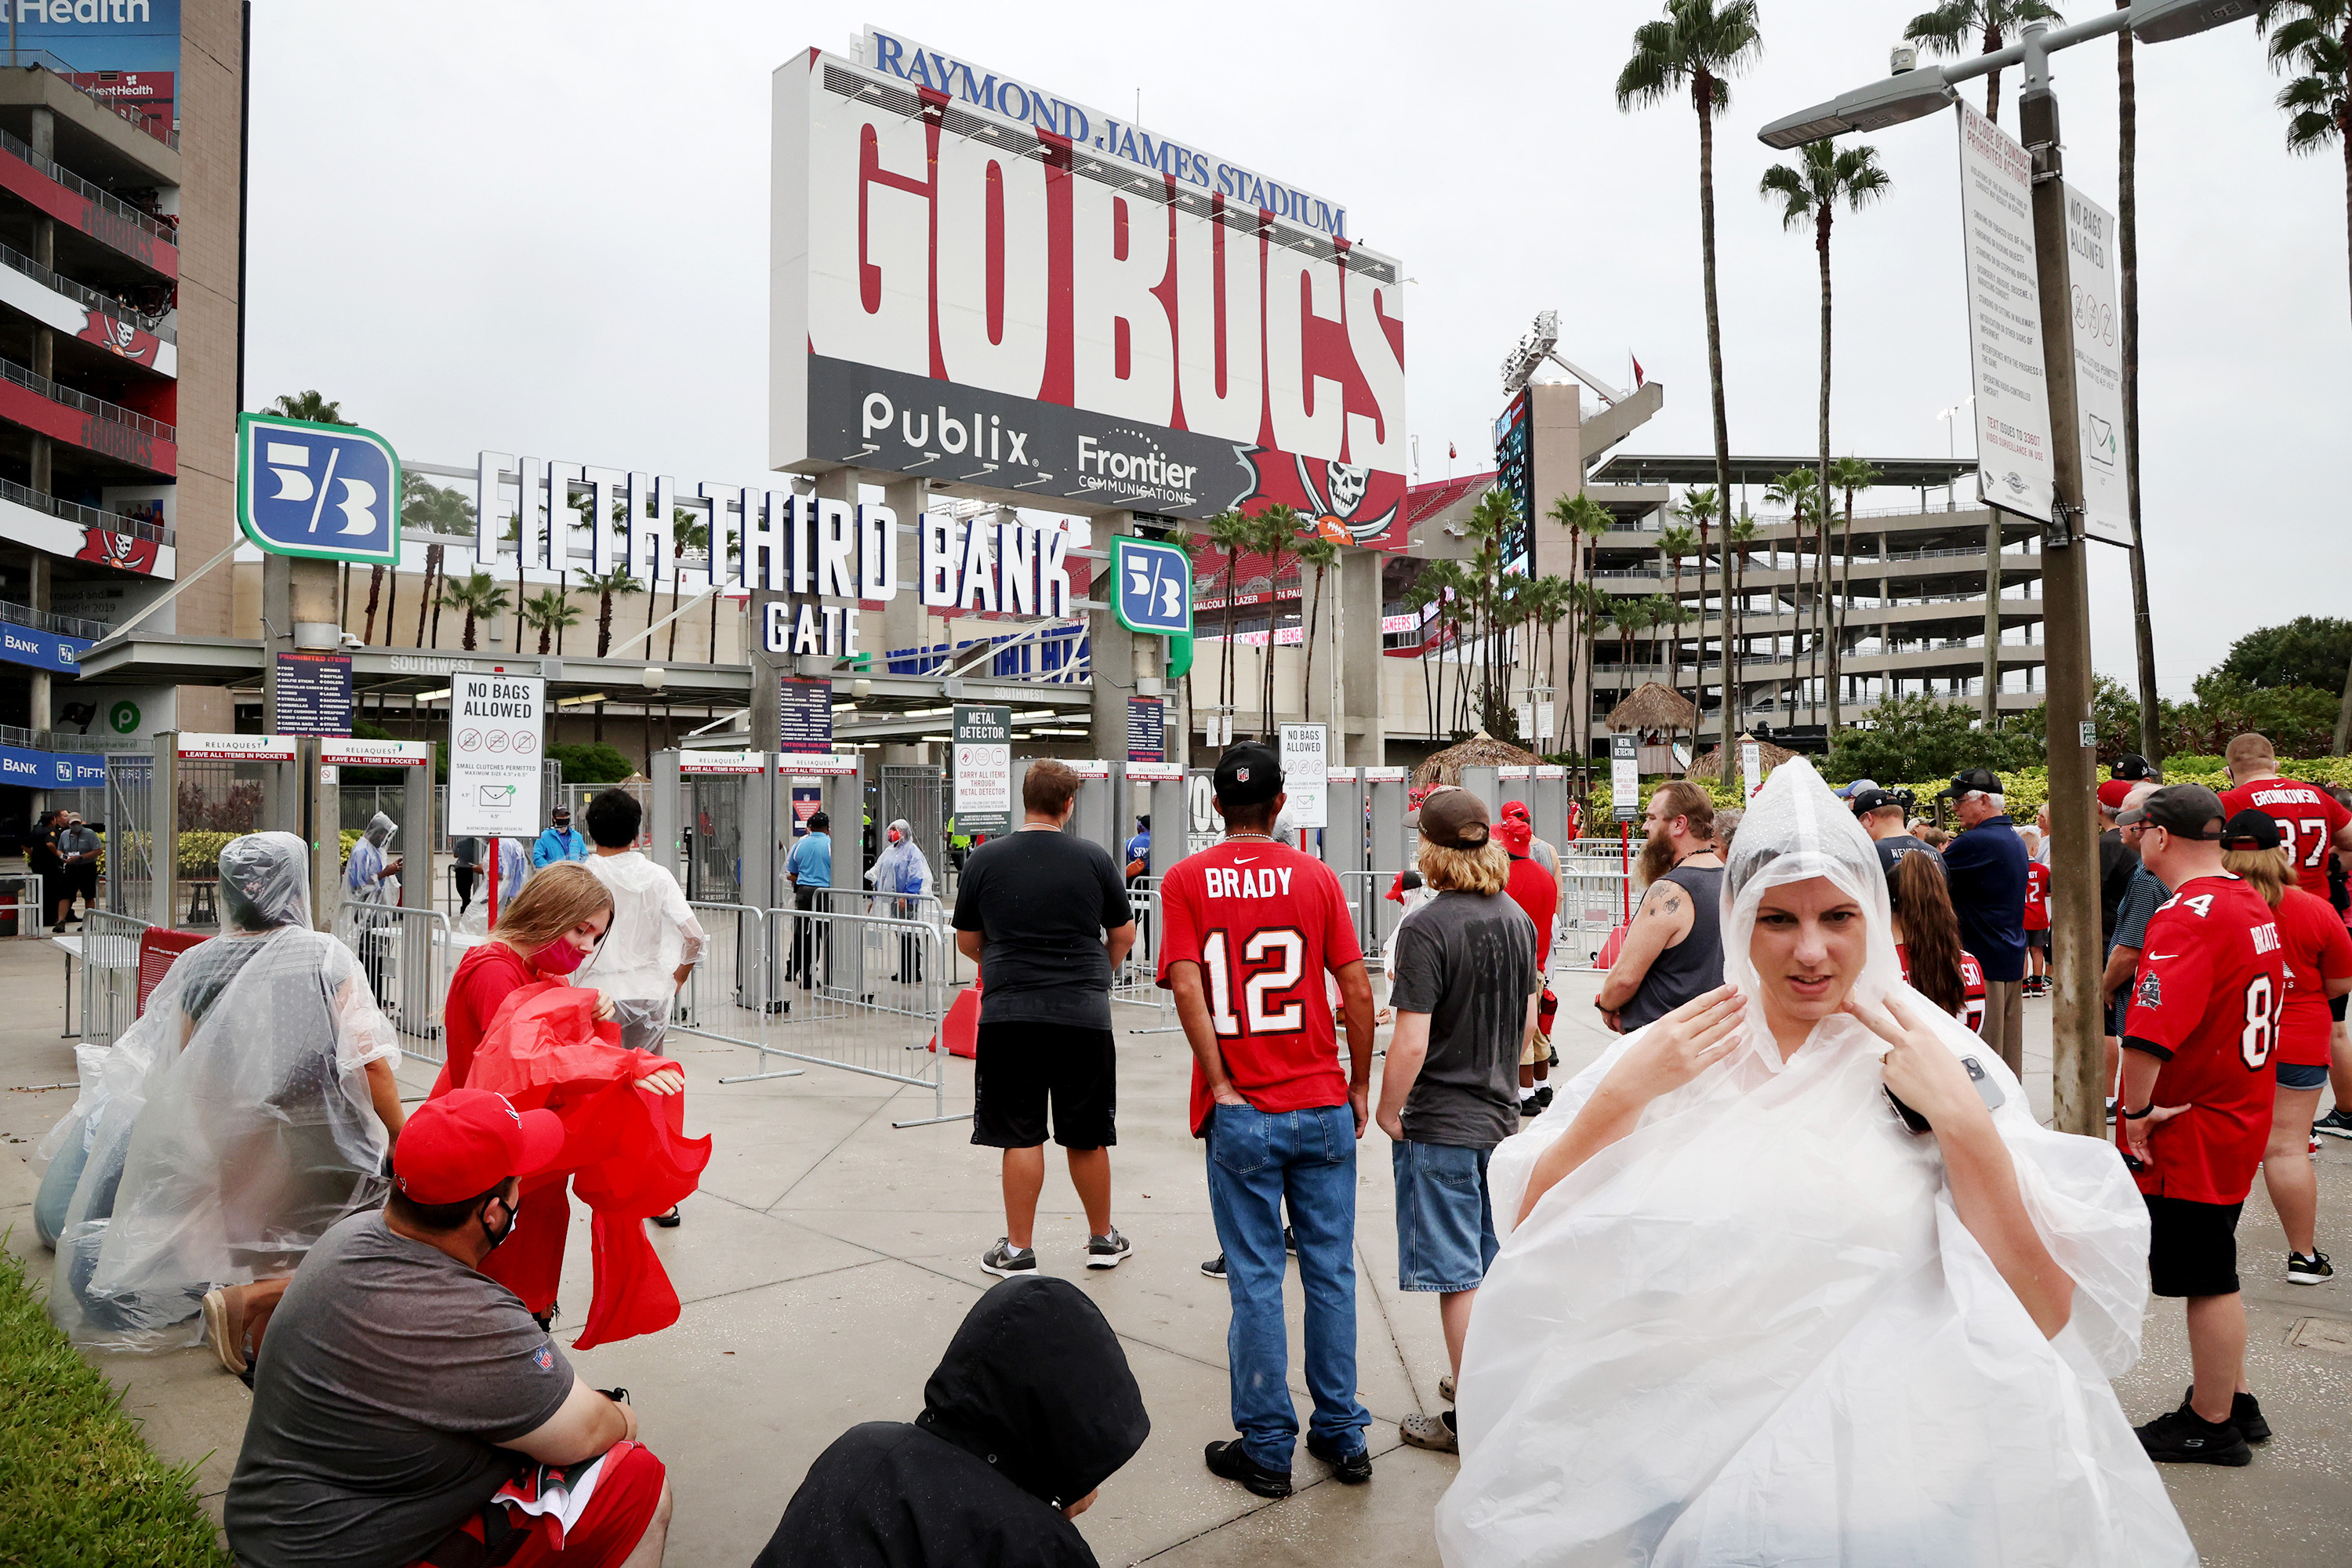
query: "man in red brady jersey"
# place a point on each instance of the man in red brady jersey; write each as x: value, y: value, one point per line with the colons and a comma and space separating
x: 1536, y: 890
x: 1249, y: 929
x: 2311, y: 821
x: 2195, y: 1118
x: 2037, y: 917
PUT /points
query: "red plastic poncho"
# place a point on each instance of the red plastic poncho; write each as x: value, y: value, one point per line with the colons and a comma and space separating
x: 625, y: 1152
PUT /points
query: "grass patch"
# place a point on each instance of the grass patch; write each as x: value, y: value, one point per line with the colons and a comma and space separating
x: 81, y: 1485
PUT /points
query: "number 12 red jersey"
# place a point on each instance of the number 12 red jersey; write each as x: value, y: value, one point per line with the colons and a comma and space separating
x: 2210, y: 992
x: 1265, y: 923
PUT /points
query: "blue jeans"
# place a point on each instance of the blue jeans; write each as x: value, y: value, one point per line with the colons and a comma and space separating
x: 1256, y: 1162
x: 1444, y: 1218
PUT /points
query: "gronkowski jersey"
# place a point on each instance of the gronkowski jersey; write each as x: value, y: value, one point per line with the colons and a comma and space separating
x: 2308, y: 818
x: 2208, y: 1000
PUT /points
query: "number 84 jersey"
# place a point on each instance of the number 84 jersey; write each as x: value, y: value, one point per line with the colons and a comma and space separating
x: 2207, y: 999
x: 1265, y: 924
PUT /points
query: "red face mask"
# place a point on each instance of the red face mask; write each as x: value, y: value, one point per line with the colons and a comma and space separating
x: 894, y: 836
x: 558, y: 957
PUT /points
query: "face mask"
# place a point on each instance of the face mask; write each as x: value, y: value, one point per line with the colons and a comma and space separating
x: 497, y: 1238
x: 558, y: 957
x: 894, y: 836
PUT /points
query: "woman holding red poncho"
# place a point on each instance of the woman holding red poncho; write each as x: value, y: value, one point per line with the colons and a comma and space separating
x: 550, y: 1045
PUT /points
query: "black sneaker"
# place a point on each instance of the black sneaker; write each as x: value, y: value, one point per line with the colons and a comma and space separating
x: 1228, y: 1459
x: 1005, y: 1261
x: 1527, y: 1106
x: 2245, y: 1414
x: 1352, y: 1470
x: 2313, y: 1270
x: 1107, y: 1251
x: 546, y: 1321
x: 1543, y: 1094
x: 1291, y: 1241
x: 2336, y: 1123
x: 1215, y: 1268
x: 2184, y: 1437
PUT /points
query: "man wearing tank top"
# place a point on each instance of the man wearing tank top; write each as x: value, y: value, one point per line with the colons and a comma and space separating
x: 1674, y: 949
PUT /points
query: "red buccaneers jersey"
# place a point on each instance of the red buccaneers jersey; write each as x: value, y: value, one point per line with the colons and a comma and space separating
x: 1265, y: 923
x: 2317, y: 950
x: 2210, y: 997
x: 1972, y: 986
x: 2308, y: 818
x: 2037, y: 896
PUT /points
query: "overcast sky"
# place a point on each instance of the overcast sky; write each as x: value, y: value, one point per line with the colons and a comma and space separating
x: 543, y: 229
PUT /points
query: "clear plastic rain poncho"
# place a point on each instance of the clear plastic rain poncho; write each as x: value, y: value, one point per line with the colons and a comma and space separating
x: 363, y: 879
x: 1756, y: 1331
x: 900, y: 868
x: 653, y: 934
x: 237, y: 1124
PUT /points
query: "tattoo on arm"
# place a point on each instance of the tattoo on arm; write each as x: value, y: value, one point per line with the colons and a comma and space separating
x: 1671, y: 906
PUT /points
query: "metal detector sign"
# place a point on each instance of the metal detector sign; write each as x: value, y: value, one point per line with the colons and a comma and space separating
x: 1306, y: 774
x: 1625, y: 779
x: 983, y: 769
x: 2098, y: 368
x: 2005, y: 352
x: 495, y: 722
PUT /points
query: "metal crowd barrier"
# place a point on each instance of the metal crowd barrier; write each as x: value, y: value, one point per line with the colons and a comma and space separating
x: 1136, y: 982
x: 849, y: 982
x: 1594, y: 899
x: 109, y: 973
x: 407, y: 956
x: 1376, y: 918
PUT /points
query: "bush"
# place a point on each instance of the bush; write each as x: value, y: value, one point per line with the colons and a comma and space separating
x: 597, y: 763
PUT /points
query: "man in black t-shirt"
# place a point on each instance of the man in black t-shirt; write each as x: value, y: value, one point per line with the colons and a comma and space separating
x: 1046, y: 918
x: 42, y: 858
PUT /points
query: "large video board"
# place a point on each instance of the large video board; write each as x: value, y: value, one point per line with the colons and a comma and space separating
x: 1014, y: 296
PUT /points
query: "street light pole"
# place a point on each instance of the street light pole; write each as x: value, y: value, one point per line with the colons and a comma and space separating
x: 2077, y: 1028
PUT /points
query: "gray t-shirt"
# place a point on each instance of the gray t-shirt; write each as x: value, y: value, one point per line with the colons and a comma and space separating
x: 1467, y: 960
x: 1042, y: 903
x: 389, y: 1374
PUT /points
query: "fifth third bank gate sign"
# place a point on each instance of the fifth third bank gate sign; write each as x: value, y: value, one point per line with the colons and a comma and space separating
x: 326, y: 491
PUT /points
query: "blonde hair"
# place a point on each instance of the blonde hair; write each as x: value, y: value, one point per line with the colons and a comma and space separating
x: 1481, y: 870
x: 551, y: 904
x: 2264, y: 869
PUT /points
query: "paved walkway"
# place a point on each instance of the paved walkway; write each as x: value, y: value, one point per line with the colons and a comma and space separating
x: 828, y: 1259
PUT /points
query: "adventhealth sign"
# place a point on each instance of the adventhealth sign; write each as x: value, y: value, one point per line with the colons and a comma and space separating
x: 326, y: 491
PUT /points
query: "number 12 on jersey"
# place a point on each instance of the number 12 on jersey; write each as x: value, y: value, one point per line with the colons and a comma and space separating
x: 1275, y: 960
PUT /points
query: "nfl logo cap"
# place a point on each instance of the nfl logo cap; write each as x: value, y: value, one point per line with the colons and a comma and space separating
x: 1248, y: 774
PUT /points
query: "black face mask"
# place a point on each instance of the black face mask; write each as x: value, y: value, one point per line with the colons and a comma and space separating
x: 497, y: 1238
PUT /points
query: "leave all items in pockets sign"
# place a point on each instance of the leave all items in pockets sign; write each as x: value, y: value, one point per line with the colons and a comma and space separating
x: 495, y: 754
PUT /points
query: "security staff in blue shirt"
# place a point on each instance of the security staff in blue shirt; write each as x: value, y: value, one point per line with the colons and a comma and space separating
x: 808, y: 871
x: 558, y: 843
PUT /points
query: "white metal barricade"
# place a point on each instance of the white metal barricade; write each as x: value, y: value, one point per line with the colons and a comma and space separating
x: 1137, y: 983
x: 407, y: 956
x: 109, y: 973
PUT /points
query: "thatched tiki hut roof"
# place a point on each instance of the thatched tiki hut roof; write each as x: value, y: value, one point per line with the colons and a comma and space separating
x: 1653, y: 707
x: 1710, y: 765
x: 1480, y: 751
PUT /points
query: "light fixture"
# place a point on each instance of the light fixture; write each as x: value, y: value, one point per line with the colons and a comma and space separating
x: 430, y: 695
x: 1908, y: 95
x: 652, y: 677
x: 2161, y: 21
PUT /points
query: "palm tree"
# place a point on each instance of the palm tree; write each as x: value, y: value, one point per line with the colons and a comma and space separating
x: 607, y: 586
x: 480, y: 596
x: 1945, y: 31
x: 1677, y: 545
x: 1809, y: 193
x: 2128, y: 308
x: 1234, y: 535
x: 1799, y: 489
x: 434, y: 509
x: 550, y: 612
x: 1697, y: 508
x: 1583, y: 517
x: 2313, y: 38
x: 1423, y: 591
x: 1737, y: 539
x: 1848, y: 474
x: 1322, y: 555
x: 1495, y: 517
x: 1275, y: 535
x: 309, y: 405
x: 689, y: 529
x: 1593, y: 610
x: 1696, y: 48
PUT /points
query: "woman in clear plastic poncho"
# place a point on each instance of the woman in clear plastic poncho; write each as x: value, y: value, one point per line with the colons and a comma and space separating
x: 901, y: 870
x: 369, y: 878
x: 1742, y: 1315
x: 249, y: 1109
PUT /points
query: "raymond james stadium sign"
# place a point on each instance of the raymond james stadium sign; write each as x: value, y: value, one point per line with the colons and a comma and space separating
x: 923, y: 66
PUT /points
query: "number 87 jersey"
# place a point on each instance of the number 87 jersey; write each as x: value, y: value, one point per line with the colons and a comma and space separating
x: 1265, y: 924
x: 2207, y: 1000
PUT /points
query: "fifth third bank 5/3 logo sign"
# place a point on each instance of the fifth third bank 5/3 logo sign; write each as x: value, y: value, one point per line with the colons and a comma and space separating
x: 327, y: 490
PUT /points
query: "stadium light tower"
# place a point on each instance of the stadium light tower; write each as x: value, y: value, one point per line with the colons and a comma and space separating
x: 2078, y: 1025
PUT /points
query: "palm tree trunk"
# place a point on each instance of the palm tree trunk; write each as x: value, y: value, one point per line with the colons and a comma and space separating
x: 1992, y: 81
x: 1703, y: 96
x: 1228, y: 679
x: 375, y: 592
x: 1837, y: 628
x: 1307, y: 650
x: 2343, y: 711
x: 2128, y: 264
x: 1823, y: 611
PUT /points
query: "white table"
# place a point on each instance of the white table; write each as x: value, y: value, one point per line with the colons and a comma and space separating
x: 71, y: 947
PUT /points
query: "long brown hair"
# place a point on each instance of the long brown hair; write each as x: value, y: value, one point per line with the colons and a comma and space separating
x: 551, y: 904
x: 1931, y: 930
x: 2265, y: 871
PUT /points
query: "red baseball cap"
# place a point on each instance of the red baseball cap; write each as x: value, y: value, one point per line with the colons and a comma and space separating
x: 467, y: 1142
x: 1516, y: 811
x: 2111, y: 793
x: 1517, y: 836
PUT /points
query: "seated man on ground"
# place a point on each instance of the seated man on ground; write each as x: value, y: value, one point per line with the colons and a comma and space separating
x: 408, y: 1411
x: 1030, y: 1411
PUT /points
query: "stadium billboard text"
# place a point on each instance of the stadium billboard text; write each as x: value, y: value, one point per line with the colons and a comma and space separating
x: 968, y: 297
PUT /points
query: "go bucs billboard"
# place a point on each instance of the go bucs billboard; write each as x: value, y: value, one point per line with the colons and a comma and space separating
x: 981, y: 283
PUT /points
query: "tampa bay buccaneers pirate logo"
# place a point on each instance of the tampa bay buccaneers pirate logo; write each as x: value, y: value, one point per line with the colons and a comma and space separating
x: 1335, y: 495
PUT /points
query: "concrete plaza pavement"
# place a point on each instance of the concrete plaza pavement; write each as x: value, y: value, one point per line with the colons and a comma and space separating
x: 828, y: 1259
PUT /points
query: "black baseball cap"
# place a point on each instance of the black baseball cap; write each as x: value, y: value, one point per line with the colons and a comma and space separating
x: 2181, y: 809
x: 2132, y: 766
x: 1970, y: 781
x: 1248, y: 774
x: 2252, y: 830
x: 1869, y: 800
x: 561, y: 814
